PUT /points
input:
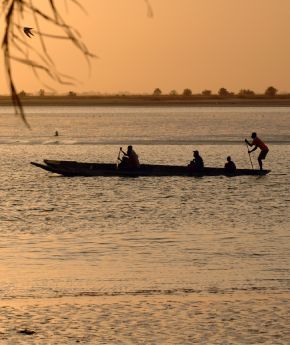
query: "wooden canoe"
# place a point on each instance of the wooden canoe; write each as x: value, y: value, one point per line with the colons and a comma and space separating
x: 72, y: 168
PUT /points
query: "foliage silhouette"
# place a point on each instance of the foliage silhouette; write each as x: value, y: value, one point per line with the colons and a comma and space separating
x: 157, y: 92
x: 16, y: 47
x: 187, y: 93
x: 271, y: 91
x: 246, y: 93
x: 223, y: 92
x: 206, y: 93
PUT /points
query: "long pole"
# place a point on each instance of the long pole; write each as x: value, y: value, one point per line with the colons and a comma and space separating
x: 119, y: 159
x: 250, y: 156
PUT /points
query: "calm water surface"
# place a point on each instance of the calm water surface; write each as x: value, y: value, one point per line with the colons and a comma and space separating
x: 157, y: 235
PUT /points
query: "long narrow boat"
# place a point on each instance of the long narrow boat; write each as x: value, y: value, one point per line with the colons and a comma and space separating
x: 72, y: 168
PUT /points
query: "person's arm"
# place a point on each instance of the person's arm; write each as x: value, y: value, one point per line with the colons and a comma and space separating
x: 124, y: 153
x: 254, y: 149
x: 248, y: 143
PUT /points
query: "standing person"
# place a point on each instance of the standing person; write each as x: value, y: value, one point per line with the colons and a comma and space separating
x: 130, y: 159
x: 258, y: 143
x: 196, y: 165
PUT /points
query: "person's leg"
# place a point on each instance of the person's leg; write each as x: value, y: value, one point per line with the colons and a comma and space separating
x: 262, y: 156
x: 260, y: 163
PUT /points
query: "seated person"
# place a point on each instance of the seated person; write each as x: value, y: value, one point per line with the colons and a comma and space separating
x: 230, y: 166
x: 196, y: 165
x: 130, y: 159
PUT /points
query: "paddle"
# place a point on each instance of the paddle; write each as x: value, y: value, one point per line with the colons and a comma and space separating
x: 119, y: 159
x: 249, y: 155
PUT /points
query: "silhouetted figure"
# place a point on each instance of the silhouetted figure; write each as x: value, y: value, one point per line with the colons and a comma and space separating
x: 258, y: 143
x: 28, y: 32
x: 196, y: 165
x: 130, y: 159
x: 56, y: 134
x: 230, y: 166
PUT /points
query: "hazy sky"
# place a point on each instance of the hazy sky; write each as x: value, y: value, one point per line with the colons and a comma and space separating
x: 197, y: 44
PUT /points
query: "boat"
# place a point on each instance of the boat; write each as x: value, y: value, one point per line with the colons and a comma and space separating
x: 73, y: 168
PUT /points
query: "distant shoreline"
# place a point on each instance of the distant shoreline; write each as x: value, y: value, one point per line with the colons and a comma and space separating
x: 149, y: 101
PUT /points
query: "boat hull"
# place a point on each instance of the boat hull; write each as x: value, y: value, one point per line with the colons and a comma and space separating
x: 72, y: 168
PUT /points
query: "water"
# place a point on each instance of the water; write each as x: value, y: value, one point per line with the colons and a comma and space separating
x: 139, y: 125
x: 114, y: 236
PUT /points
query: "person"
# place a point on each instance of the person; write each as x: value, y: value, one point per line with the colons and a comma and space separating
x: 230, y: 166
x: 258, y: 143
x: 130, y: 159
x: 56, y: 134
x: 196, y: 165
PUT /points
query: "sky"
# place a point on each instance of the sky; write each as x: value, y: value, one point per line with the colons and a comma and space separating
x: 196, y: 44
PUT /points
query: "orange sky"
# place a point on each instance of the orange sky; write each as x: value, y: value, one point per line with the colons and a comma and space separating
x: 197, y: 44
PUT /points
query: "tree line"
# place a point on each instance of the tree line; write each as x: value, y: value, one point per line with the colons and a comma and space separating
x: 222, y: 92
x: 270, y: 91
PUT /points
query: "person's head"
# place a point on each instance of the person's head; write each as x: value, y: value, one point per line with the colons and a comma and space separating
x: 195, y: 153
x: 229, y: 158
x: 129, y: 149
x: 254, y: 135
